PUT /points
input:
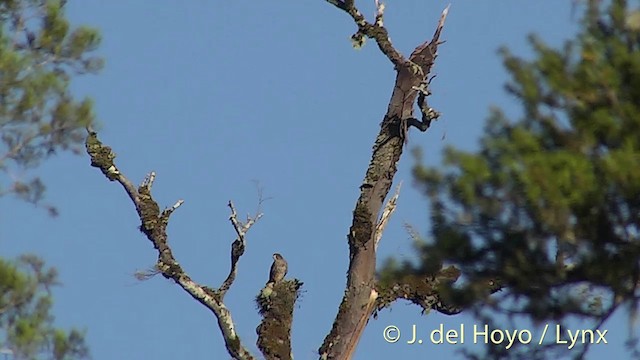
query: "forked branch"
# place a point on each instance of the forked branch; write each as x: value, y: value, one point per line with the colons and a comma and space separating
x: 239, y: 244
x: 154, y: 225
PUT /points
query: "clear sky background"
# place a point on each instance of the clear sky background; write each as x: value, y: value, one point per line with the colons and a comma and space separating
x: 213, y: 95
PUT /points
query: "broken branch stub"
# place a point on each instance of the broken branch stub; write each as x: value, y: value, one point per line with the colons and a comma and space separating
x: 275, y: 304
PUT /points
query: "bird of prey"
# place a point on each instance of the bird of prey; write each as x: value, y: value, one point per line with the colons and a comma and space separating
x: 278, y: 269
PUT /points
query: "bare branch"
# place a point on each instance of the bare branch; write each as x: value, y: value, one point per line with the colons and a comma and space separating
x: 433, y: 291
x: 239, y: 244
x: 175, y: 206
x: 154, y: 225
x: 102, y: 157
x: 387, y: 150
x: 342, y: 4
x: 421, y: 290
x: 147, y: 183
x: 374, y: 31
x: 379, y: 14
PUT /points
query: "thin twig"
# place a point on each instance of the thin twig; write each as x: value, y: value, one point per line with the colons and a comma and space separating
x: 239, y: 244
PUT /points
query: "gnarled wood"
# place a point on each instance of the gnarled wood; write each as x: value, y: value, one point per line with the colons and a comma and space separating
x: 357, y: 303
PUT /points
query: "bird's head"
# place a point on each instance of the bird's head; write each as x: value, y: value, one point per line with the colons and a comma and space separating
x: 277, y: 256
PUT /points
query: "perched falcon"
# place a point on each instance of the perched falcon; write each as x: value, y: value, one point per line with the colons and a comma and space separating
x: 278, y: 269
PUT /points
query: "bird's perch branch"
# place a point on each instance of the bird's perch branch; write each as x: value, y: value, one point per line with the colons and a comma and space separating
x: 275, y: 304
x: 360, y: 293
x: 154, y: 225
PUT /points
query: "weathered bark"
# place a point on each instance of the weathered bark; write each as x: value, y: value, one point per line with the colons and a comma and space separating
x: 360, y: 300
x: 154, y: 226
x: 275, y: 303
x: 360, y: 295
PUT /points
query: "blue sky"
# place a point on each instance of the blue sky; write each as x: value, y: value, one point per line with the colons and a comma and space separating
x: 214, y: 95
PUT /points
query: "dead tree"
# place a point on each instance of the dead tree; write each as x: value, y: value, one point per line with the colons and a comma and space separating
x: 363, y: 297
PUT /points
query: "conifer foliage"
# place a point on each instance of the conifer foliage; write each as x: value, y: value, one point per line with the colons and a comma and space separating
x: 39, y: 55
x: 549, y: 206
